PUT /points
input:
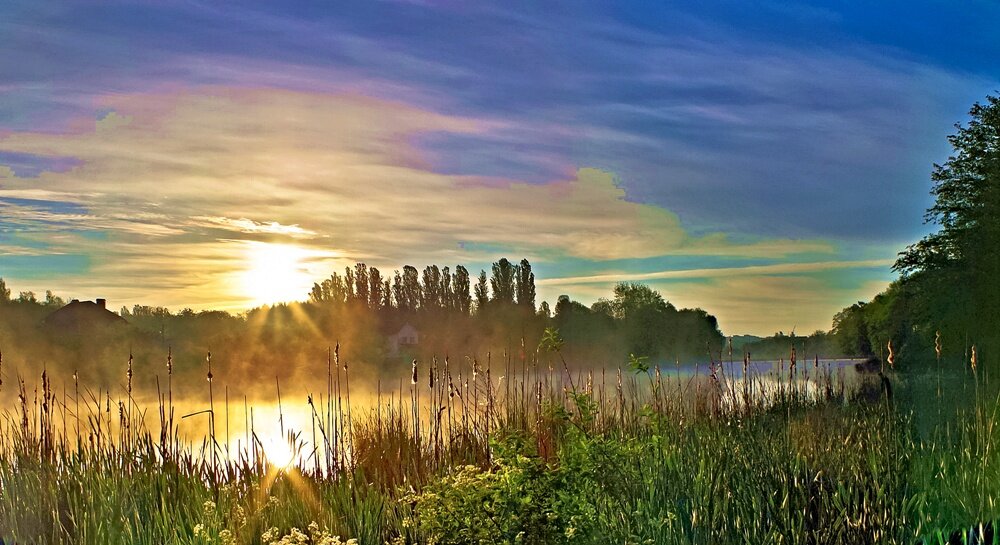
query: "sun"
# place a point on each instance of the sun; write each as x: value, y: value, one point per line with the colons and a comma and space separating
x: 275, y: 273
x: 279, y: 453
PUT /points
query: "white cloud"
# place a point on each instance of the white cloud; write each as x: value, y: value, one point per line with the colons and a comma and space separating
x: 335, y: 173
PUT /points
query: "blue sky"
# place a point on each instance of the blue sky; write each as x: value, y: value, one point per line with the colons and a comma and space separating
x: 764, y: 161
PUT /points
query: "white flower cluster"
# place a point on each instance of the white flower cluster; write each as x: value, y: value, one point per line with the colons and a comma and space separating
x: 295, y: 536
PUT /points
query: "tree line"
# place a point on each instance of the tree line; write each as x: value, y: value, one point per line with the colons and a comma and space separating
x: 434, y: 289
x: 947, y: 298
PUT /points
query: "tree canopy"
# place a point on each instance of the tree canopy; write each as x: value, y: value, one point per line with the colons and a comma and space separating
x: 949, y: 289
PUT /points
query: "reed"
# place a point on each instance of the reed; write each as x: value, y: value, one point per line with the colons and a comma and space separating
x: 552, y: 456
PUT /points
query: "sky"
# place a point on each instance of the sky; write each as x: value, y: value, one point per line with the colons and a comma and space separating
x: 764, y: 161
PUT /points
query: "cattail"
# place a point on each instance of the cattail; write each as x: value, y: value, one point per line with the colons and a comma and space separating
x: 937, y: 344
x: 170, y: 361
x: 892, y: 355
x: 128, y: 374
x: 413, y: 377
x: 208, y: 359
x: 973, y: 360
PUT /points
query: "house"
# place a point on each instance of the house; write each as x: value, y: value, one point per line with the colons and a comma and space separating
x: 83, y: 316
x: 406, y: 338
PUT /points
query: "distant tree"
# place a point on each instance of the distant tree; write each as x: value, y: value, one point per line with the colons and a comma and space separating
x: 331, y: 290
x: 525, y: 286
x: 850, y: 328
x: 411, y: 288
x: 52, y: 300
x: 502, y: 282
x: 645, y: 316
x: 447, y: 295
x: 4, y: 292
x: 604, y: 307
x: 632, y: 297
x: 544, y: 310
x: 317, y: 294
x: 386, y: 295
x: 482, y: 292
x: 431, y: 288
x: 361, y: 285
x: 348, y: 284
x: 463, y: 300
x: 27, y: 297
x: 375, y: 295
x: 397, y: 291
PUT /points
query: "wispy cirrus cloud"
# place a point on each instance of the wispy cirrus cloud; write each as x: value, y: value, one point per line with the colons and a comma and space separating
x: 173, y: 182
x: 619, y: 139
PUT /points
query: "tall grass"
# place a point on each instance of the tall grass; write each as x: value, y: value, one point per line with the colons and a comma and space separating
x: 506, y: 450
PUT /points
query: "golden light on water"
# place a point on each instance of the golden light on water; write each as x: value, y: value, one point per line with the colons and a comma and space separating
x: 276, y: 273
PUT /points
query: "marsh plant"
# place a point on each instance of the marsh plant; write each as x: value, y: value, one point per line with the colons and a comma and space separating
x: 512, y: 450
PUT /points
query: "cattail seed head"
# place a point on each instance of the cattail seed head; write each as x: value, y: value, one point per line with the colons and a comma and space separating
x: 128, y: 373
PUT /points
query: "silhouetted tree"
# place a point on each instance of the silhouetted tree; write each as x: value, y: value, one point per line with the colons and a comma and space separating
x: 955, y: 272
x: 386, y: 295
x: 502, y: 282
x: 447, y: 296
x: 375, y: 296
x: 525, y: 286
x: 431, y: 289
x: 463, y: 300
x: 348, y: 285
x: 361, y: 285
x: 52, y: 300
x: 397, y: 291
x: 4, y: 292
x: 544, y: 310
x: 411, y: 288
x: 482, y: 292
x: 850, y: 328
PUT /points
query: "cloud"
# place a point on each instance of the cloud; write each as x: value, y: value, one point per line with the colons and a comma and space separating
x: 244, y: 225
x: 177, y: 183
x: 749, y: 270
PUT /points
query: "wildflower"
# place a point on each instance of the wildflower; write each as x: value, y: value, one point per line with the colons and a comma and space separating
x: 240, y: 515
x: 270, y: 535
x: 227, y: 537
x: 199, y: 529
x: 296, y: 536
x: 208, y: 507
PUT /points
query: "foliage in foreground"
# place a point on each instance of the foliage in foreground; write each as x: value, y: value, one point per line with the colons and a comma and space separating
x: 559, y: 462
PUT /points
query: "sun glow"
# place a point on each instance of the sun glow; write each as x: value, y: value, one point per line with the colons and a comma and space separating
x: 279, y: 453
x: 276, y: 273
